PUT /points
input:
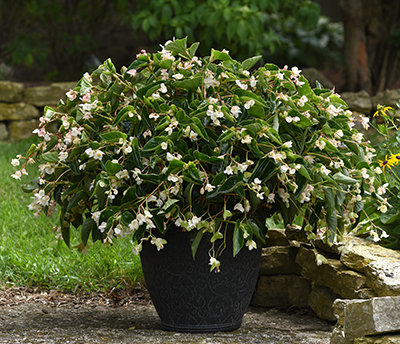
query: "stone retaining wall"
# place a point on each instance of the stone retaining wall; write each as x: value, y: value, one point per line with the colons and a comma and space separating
x: 358, y: 280
x: 21, y: 107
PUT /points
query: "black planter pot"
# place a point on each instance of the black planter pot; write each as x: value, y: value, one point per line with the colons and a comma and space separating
x: 190, y: 298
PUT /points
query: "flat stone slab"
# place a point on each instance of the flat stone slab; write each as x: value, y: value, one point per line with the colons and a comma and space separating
x: 35, y: 323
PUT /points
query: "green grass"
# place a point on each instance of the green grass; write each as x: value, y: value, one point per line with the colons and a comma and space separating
x: 31, y: 256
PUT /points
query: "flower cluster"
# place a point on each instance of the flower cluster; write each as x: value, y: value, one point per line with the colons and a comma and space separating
x: 381, y: 216
x: 204, y: 145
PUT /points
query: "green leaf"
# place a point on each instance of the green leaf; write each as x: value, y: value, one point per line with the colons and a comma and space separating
x: 50, y: 157
x: 75, y: 199
x: 177, y: 46
x: 392, y: 215
x: 216, y: 236
x: 167, y: 205
x: 250, y: 62
x: 174, y: 167
x: 130, y: 195
x: 113, y: 168
x: 190, y: 84
x: 198, y: 128
x: 219, y: 55
x: 127, y: 218
x: 86, y: 229
x: 193, y: 49
x: 113, y: 136
x: 195, y: 243
x: 238, y: 239
x: 341, y: 178
x: 206, y: 158
x: 123, y: 114
x: 330, y: 197
x: 227, y: 135
x: 166, y: 64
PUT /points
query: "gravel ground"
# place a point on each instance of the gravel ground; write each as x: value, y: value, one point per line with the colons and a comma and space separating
x: 30, y: 316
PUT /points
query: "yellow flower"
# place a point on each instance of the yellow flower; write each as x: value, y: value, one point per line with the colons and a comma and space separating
x: 395, y: 158
x: 382, y: 110
x: 386, y: 162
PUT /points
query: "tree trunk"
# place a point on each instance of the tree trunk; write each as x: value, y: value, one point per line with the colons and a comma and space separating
x: 369, y: 53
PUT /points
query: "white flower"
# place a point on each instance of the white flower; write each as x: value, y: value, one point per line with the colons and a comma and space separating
x: 89, y: 152
x: 235, y: 111
x: 154, y: 115
x: 241, y: 85
x: 251, y: 244
x: 378, y: 170
x: 288, y: 144
x: 156, y: 96
x: 228, y: 170
x: 170, y: 157
x: 193, y: 136
x: 382, y: 189
x: 383, y: 207
x: 249, y: 104
x: 164, y: 145
x: 178, y: 76
x: 296, y: 72
x: 159, y: 242
x: 17, y: 175
x: 136, y: 249
x: 163, y: 88
x: 320, y: 144
x: 209, y: 187
x: 239, y: 207
x: 169, y: 130
x: 339, y: 134
x: 324, y: 170
x: 132, y: 72
x: 63, y: 156
x: 15, y: 162
x: 246, y: 139
x: 271, y: 198
x: 357, y: 137
x: 302, y: 101
x: 279, y: 75
x: 98, y: 154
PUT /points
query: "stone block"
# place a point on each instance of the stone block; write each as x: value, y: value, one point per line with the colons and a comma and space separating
x: 387, y: 98
x: 3, y: 132
x: 17, y: 112
x: 360, y: 318
x: 358, y: 101
x: 282, y: 291
x: 276, y: 237
x: 321, y: 300
x: 387, y: 339
x: 333, y: 274
x: 20, y: 130
x: 279, y: 260
x: 357, y: 257
x: 48, y: 95
x: 11, y: 92
x: 384, y: 277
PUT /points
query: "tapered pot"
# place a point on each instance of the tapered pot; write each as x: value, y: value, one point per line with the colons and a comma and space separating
x: 190, y: 298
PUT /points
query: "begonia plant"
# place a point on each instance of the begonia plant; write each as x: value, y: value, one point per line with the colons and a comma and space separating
x: 205, y: 145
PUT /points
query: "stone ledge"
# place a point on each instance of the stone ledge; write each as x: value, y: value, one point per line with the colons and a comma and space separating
x: 360, y: 318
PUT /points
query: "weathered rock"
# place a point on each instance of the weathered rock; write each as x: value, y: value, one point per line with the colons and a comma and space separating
x: 276, y: 237
x: 20, y: 130
x: 3, y: 132
x: 384, y: 277
x: 321, y: 300
x: 358, y: 101
x: 17, y: 112
x: 333, y: 274
x: 313, y: 75
x: 387, y: 98
x: 387, y: 339
x: 358, y: 256
x: 48, y: 95
x: 282, y: 291
x: 11, y: 92
x: 359, y: 318
x: 279, y: 260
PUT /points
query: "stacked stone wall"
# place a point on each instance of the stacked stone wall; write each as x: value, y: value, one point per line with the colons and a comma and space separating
x: 358, y: 279
x: 21, y: 107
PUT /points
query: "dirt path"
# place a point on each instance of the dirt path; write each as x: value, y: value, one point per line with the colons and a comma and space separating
x: 40, y: 317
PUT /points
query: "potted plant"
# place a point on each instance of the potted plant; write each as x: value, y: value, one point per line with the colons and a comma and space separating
x: 201, y: 148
